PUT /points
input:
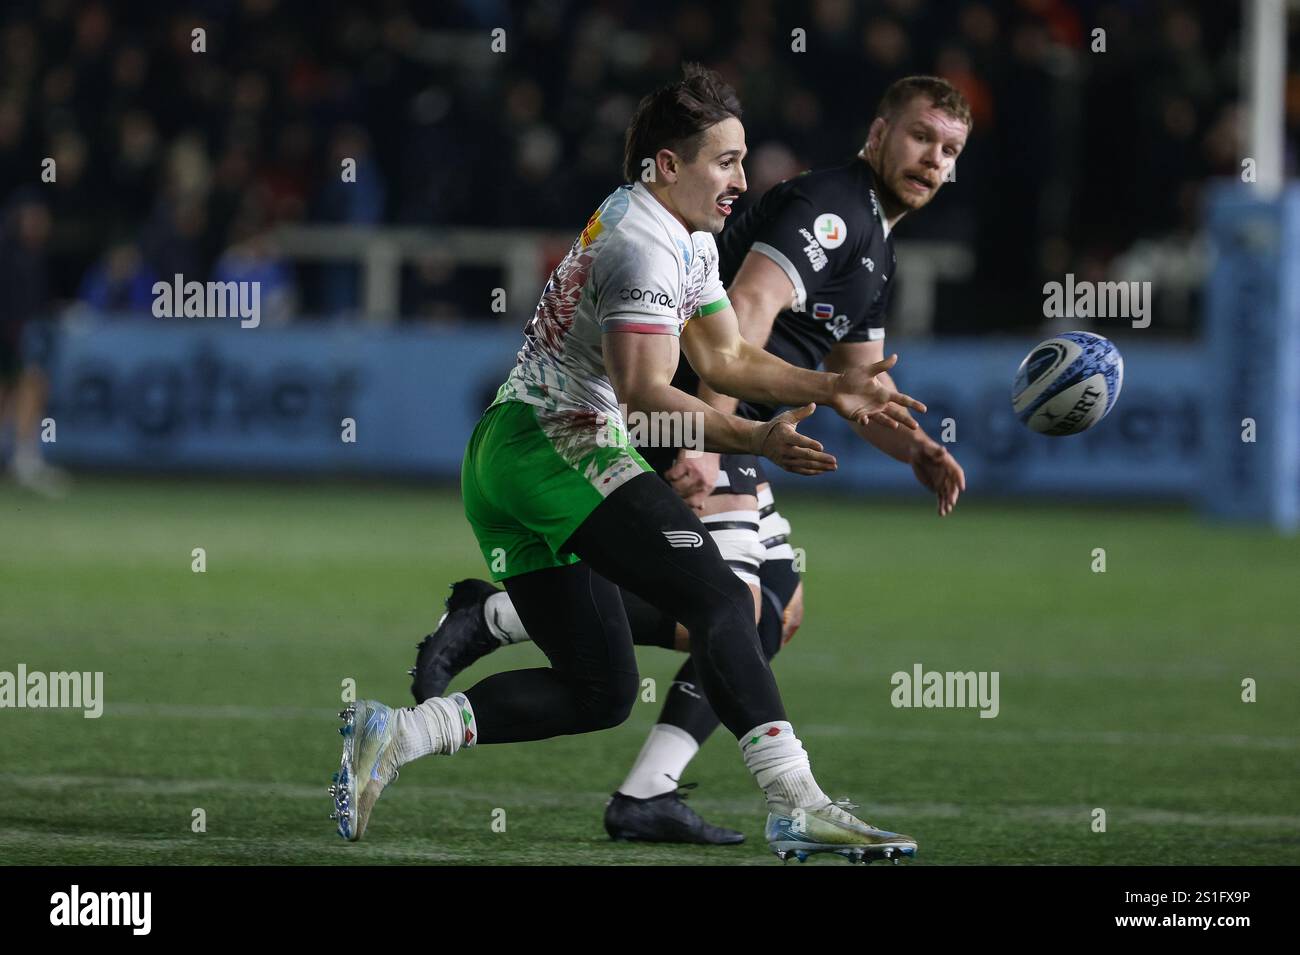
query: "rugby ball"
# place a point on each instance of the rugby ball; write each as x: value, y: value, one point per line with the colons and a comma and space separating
x: 1067, y: 383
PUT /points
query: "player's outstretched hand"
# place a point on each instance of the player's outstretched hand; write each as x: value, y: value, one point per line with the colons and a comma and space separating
x: 779, y: 440
x: 861, y: 398
x: 938, y: 471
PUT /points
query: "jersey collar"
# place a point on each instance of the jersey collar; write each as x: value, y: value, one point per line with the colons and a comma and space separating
x: 874, y: 200
x: 670, y: 222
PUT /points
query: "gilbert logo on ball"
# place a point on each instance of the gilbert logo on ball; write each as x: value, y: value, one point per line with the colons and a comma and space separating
x: 1067, y: 384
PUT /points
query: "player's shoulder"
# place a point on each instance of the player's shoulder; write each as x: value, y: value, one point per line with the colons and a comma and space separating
x: 837, y: 201
x: 625, y: 228
x: 843, y: 184
x: 843, y: 202
x: 637, y: 259
x: 704, y: 246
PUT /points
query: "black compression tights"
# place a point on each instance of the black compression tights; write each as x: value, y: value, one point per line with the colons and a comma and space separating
x: 685, y: 705
x: 575, y: 616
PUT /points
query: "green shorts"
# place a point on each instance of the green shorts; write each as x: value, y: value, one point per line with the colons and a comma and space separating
x: 531, y: 476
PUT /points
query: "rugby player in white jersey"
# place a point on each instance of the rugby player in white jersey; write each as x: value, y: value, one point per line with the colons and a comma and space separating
x: 565, y: 516
x: 808, y: 269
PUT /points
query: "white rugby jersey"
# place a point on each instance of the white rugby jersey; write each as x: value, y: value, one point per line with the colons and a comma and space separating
x: 634, y: 268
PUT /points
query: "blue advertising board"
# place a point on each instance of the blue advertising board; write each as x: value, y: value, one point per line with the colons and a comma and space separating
x: 206, y: 394
x: 209, y: 395
x: 1252, y: 321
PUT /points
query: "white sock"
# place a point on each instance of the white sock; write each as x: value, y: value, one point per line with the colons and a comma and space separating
x: 662, y: 760
x: 438, y: 726
x: 502, y: 620
x: 780, y: 766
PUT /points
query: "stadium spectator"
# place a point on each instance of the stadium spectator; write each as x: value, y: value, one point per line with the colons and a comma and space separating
x: 356, y: 200
x: 25, y: 340
x: 120, y: 282
x: 157, y: 141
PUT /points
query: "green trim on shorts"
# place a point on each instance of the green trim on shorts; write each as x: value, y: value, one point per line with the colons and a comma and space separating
x: 531, y: 477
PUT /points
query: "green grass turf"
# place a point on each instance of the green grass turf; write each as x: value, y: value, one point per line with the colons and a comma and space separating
x: 1119, y: 691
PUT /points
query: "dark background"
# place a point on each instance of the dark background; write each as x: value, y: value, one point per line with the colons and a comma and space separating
x: 169, y: 158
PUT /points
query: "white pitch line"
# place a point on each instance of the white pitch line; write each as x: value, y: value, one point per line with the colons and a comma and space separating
x: 220, y: 711
x: 284, y: 790
x: 208, y: 843
x: 330, y: 849
x: 809, y: 663
x: 987, y: 733
x: 540, y: 796
x: 993, y: 734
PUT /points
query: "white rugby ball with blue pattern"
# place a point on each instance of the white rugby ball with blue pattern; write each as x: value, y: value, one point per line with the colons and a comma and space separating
x: 1067, y: 383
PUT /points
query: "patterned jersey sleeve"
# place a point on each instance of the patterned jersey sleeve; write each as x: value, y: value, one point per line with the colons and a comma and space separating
x: 637, y: 288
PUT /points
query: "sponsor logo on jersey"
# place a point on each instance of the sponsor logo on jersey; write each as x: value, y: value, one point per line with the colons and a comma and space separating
x: 823, y: 311
x: 875, y: 206
x: 831, y: 230
x: 680, y: 539
x: 816, y: 257
x: 646, y: 296
x: 871, y: 266
x: 748, y: 472
x: 839, y: 327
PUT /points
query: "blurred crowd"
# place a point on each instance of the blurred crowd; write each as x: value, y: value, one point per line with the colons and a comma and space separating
x: 175, y: 161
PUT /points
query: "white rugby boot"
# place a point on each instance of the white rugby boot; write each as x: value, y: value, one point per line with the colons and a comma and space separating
x: 369, y: 764
x: 832, y: 828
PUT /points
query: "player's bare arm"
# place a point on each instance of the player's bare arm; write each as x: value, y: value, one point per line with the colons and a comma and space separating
x: 934, y: 467
x: 641, y: 370
x: 759, y: 293
x: 728, y: 363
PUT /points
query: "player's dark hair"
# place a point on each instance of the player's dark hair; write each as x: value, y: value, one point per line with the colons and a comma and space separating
x: 674, y: 117
x: 939, y: 91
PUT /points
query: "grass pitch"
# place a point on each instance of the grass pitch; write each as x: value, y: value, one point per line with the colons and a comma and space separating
x: 1119, y: 691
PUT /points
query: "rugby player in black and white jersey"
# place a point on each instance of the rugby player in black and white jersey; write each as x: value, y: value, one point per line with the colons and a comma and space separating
x: 808, y: 270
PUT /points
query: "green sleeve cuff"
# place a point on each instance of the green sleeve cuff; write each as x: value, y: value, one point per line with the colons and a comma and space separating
x: 712, y: 307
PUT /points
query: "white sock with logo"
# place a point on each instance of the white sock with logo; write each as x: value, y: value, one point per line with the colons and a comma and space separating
x: 780, y: 766
x: 661, y: 762
x: 503, y: 620
x: 438, y: 726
